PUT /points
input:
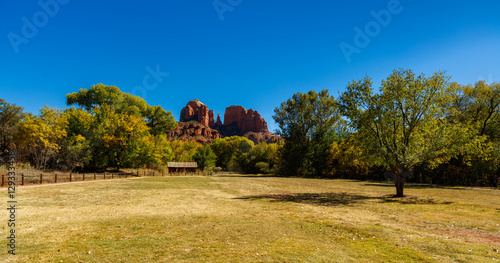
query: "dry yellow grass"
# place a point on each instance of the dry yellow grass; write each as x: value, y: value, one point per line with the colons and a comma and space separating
x: 252, y: 219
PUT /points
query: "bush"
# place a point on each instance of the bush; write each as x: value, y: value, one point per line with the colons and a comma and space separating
x: 262, y: 167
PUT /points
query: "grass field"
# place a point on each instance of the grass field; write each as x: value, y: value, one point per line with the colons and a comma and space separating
x: 252, y: 219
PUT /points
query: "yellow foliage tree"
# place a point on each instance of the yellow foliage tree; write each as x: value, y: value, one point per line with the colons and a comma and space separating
x: 40, y: 137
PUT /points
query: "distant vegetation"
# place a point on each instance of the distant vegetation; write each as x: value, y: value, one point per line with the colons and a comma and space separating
x: 413, y: 128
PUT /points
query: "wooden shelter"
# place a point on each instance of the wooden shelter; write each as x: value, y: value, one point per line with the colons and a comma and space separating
x: 182, y: 167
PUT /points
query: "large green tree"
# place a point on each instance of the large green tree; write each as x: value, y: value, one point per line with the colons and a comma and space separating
x: 479, y: 106
x: 120, y: 129
x: 308, y: 123
x: 406, y: 122
x: 227, y: 148
x: 205, y: 157
x: 117, y: 139
x: 159, y: 120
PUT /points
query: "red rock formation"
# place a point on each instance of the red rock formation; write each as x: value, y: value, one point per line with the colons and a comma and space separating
x: 211, y: 118
x: 196, y: 110
x: 218, y: 122
x: 187, y: 131
x: 237, y: 121
x: 246, y: 120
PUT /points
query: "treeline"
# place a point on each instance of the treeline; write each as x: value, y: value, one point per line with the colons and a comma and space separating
x: 424, y: 129
x: 412, y: 128
x: 109, y: 129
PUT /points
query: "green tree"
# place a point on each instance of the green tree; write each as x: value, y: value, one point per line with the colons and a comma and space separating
x: 155, y: 151
x: 309, y: 123
x: 98, y: 95
x: 117, y: 139
x: 75, y: 152
x: 184, y: 151
x: 243, y: 157
x: 406, y: 123
x: 226, y: 148
x: 121, y: 130
x: 205, y: 157
x: 10, y: 115
x: 479, y: 107
x: 159, y: 120
x: 273, y: 150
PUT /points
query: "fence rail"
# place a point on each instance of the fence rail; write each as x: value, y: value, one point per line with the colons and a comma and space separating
x: 43, y: 178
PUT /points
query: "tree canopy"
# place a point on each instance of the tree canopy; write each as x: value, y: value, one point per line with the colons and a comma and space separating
x: 159, y: 120
x: 406, y: 123
x: 309, y: 123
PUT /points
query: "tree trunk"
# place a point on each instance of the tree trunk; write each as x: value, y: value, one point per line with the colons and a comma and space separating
x: 399, y: 180
x: 399, y: 188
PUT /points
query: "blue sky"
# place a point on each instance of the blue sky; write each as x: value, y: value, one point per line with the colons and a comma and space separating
x: 250, y: 53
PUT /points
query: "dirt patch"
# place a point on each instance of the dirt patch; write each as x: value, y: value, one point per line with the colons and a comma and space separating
x: 476, y: 236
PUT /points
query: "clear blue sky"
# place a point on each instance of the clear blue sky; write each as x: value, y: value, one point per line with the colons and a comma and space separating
x: 257, y: 56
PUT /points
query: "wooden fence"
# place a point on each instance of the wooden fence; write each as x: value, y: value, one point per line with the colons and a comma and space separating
x: 43, y: 178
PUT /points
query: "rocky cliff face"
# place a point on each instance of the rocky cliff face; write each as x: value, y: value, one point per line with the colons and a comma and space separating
x: 218, y: 122
x: 237, y: 121
x: 197, y: 111
x: 190, y: 131
x: 245, y: 120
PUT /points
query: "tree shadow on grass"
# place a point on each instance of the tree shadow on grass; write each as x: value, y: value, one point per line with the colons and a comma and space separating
x: 322, y: 199
x: 418, y: 186
x: 338, y: 199
x: 413, y: 200
x: 246, y: 175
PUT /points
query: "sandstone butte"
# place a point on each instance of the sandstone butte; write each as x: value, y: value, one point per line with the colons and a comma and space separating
x: 197, y: 123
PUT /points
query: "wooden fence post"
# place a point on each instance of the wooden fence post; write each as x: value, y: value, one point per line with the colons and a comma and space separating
x: 70, y: 177
x: 138, y: 174
x: 83, y: 177
x: 3, y: 180
x: 55, y: 178
x: 112, y: 175
x: 41, y: 178
x: 22, y: 177
x: 94, y: 176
